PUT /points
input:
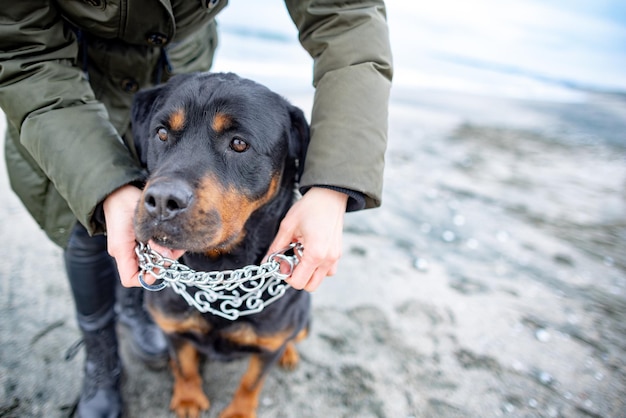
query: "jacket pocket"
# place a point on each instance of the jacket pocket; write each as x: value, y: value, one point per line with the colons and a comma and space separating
x: 36, y: 191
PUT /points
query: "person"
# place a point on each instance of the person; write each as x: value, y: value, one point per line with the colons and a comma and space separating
x: 68, y: 72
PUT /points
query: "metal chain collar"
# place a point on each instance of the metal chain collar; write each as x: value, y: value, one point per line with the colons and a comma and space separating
x: 229, y: 293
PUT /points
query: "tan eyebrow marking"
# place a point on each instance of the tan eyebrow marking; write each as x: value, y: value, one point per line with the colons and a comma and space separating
x: 177, y: 120
x: 221, y: 121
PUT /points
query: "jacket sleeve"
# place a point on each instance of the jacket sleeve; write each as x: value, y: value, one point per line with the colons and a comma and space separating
x: 349, y: 43
x: 48, y: 99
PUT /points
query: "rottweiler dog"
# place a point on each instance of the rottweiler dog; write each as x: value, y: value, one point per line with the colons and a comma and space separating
x: 223, y: 155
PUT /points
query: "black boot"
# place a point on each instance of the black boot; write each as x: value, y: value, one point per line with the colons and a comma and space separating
x: 147, y: 340
x: 100, y: 397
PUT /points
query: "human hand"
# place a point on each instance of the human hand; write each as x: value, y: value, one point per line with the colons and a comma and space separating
x: 315, y: 221
x: 119, y: 211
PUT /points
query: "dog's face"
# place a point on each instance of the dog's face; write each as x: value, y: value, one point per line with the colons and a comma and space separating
x: 217, y: 148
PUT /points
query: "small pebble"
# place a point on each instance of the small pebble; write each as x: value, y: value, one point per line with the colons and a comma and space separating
x: 448, y: 236
x: 518, y: 366
x: 573, y: 319
x: 421, y: 264
x: 542, y: 335
x: 546, y: 378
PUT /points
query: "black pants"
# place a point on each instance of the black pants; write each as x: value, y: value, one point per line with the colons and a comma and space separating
x: 91, y: 271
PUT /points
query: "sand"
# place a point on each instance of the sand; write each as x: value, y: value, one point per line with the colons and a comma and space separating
x: 492, y: 281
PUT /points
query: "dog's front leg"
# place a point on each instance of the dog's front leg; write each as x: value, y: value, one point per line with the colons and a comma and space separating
x: 188, y: 398
x: 246, y: 399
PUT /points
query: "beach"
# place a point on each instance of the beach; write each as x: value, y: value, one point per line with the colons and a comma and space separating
x: 490, y: 283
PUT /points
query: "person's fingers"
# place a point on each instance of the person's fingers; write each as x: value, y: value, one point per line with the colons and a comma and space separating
x: 316, y: 221
x: 119, y: 208
x: 166, y: 252
x: 127, y: 267
x: 133, y: 281
x: 283, y: 238
x: 333, y: 269
x: 316, y: 280
x: 302, y: 272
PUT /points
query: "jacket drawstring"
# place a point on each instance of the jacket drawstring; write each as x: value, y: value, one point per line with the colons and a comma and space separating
x: 164, y: 63
x: 82, y: 44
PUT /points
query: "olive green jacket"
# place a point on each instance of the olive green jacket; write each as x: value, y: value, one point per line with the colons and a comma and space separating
x: 69, y: 69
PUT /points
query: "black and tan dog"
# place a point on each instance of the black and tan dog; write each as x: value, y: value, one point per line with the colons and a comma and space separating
x: 223, y: 155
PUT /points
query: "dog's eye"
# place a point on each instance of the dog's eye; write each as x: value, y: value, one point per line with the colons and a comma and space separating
x: 239, y: 145
x: 162, y: 134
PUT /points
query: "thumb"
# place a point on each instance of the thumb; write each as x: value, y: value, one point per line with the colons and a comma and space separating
x: 166, y: 252
x: 283, y: 238
x: 128, y: 268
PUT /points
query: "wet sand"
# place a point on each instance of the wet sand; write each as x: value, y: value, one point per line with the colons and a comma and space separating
x: 492, y: 282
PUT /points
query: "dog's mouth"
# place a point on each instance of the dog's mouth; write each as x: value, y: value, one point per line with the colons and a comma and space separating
x: 160, y: 238
x: 190, y: 237
x: 165, y: 241
x: 172, y: 240
x: 165, y: 252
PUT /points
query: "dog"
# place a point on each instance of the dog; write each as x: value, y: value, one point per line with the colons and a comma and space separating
x: 223, y: 156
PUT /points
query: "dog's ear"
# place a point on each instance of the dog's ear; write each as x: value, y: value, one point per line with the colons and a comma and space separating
x: 298, y: 139
x: 144, y: 104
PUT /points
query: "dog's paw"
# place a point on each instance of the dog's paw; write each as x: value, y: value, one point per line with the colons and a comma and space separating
x: 231, y: 412
x: 290, y: 358
x: 189, y: 404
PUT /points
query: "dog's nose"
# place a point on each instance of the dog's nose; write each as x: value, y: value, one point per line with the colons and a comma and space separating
x: 165, y: 199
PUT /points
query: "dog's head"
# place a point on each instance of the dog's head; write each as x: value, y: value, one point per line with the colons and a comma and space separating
x: 217, y: 148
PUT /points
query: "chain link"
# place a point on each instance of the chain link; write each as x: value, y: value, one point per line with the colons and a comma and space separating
x: 229, y: 293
